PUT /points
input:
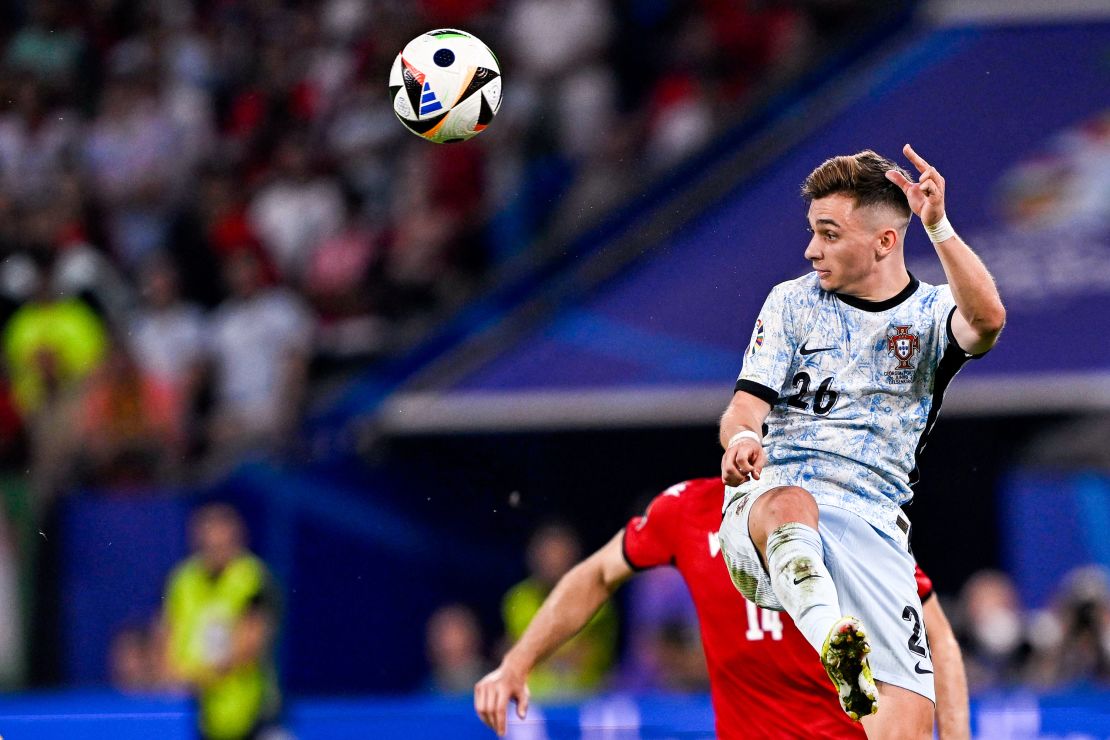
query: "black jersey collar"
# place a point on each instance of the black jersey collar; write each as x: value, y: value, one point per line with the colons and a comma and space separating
x: 865, y: 305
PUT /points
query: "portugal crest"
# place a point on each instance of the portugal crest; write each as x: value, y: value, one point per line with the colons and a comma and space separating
x: 902, y: 345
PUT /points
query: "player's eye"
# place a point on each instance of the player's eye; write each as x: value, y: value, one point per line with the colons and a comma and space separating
x: 830, y: 236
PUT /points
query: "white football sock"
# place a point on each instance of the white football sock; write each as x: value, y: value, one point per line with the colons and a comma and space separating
x: 800, y: 579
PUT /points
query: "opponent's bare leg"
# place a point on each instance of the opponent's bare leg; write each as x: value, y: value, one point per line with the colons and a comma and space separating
x: 902, y: 715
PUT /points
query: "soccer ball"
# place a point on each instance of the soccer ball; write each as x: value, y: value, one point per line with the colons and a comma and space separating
x: 445, y: 86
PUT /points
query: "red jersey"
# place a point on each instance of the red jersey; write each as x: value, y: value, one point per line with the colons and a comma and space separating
x: 766, y: 680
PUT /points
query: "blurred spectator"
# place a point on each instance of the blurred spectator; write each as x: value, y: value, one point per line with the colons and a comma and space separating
x: 548, y: 38
x: 681, y: 120
x: 48, y: 46
x: 1072, y: 638
x: 132, y: 663
x: 454, y: 649
x: 53, y: 236
x: 167, y: 336
x: 130, y: 424
x: 50, y: 344
x: 80, y: 269
x: 220, y: 616
x: 344, y: 281
x: 436, y: 244
x: 296, y: 209
x: 363, y: 139
x: 991, y: 631
x: 208, y: 229
x: 259, y: 341
x: 223, y: 213
x: 583, y: 663
x: 664, y: 649
x: 135, y: 164
x: 37, y: 142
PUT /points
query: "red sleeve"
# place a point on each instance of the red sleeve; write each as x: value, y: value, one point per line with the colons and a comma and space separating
x: 649, y: 539
x: 924, y: 583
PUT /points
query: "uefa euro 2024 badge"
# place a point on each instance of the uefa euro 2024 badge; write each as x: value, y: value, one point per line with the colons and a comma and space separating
x: 757, y: 337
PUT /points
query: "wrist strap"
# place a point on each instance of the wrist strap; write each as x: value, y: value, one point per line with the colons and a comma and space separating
x: 746, y: 434
x: 940, y: 231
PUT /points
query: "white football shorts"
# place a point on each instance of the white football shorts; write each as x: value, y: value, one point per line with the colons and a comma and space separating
x: 874, y: 577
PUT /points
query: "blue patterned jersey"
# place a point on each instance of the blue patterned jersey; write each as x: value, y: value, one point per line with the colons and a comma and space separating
x: 854, y: 387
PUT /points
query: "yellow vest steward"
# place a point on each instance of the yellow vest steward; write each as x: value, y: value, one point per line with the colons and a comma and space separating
x: 202, y: 612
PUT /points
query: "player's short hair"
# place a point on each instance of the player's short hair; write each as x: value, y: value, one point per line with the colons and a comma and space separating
x: 861, y: 176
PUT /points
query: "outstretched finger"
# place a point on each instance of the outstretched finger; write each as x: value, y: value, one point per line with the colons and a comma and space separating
x: 500, y: 712
x: 899, y: 179
x: 485, y: 704
x: 915, y: 158
x: 522, y: 703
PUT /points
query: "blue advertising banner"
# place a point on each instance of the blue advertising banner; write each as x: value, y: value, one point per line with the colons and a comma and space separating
x: 75, y: 715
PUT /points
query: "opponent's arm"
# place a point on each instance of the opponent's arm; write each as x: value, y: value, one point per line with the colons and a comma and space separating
x: 953, y: 715
x: 980, y: 315
x: 576, y: 597
x: 743, y: 457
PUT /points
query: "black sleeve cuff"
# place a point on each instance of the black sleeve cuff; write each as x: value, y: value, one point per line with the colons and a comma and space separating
x: 758, y: 390
x: 952, y: 337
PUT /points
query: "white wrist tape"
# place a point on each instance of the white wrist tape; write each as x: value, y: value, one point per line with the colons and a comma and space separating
x: 746, y: 434
x: 940, y: 231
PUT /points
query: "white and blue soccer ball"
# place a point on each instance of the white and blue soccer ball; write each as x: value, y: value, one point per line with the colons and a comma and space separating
x: 445, y: 86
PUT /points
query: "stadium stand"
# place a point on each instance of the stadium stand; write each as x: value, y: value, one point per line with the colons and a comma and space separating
x: 578, y: 296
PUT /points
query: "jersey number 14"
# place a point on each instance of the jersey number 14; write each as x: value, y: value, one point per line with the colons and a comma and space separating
x: 762, y: 622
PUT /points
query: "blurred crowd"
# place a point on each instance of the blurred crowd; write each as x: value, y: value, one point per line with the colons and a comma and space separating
x: 1064, y: 644
x: 207, y: 204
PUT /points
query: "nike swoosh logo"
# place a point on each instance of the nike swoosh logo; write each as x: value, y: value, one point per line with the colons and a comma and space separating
x: 918, y: 669
x: 799, y: 580
x: 806, y: 351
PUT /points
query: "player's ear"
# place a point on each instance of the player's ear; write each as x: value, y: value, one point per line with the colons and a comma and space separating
x: 888, y: 241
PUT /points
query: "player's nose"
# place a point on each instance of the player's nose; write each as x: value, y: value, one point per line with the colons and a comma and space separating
x: 812, y: 250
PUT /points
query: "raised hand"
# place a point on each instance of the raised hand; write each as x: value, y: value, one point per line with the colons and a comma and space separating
x: 926, y: 196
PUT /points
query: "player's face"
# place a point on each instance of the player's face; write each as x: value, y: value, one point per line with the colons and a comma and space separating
x: 842, y: 246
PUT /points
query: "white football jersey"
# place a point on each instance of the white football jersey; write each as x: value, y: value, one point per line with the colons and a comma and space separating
x: 855, y: 387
